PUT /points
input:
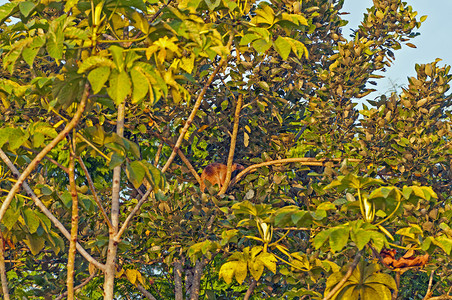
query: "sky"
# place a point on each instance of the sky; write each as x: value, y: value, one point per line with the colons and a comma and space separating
x: 434, y: 42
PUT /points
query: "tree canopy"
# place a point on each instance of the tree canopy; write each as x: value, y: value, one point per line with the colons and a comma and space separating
x: 111, y: 109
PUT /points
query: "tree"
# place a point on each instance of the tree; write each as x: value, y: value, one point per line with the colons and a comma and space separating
x: 110, y: 109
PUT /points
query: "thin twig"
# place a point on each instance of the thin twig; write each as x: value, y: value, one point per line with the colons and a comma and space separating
x: 49, y: 159
x: 429, y: 288
x: 77, y: 116
x: 85, y: 282
x: 132, y: 214
x: 182, y: 156
x: 93, y: 191
x: 3, y: 269
x: 159, y: 12
x: 346, y: 277
x: 49, y: 215
x: 195, y: 108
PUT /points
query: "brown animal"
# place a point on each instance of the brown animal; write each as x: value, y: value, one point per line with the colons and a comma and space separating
x: 215, y: 173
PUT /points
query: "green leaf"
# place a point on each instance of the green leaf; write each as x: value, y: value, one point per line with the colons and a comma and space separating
x: 282, y: 47
x: 212, y: 4
x: 55, y: 39
x: 26, y: 7
x: 135, y: 172
x: 31, y: 220
x: 120, y: 86
x: 95, y: 62
x: 383, y: 279
x: 17, y: 138
x: 321, y: 238
x: 261, y: 45
x: 118, y: 58
x: 7, y: 10
x: 361, y: 237
x: 444, y: 243
x: 141, y: 84
x: 97, y: 78
x: 35, y: 243
x: 338, y: 238
x: 10, y: 218
x: 248, y: 38
x: 29, y: 52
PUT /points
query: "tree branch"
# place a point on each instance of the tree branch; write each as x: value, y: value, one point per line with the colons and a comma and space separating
x: 250, y: 290
x: 93, y: 191
x: 85, y: 282
x: 346, y: 277
x: 43, y: 153
x: 194, y: 291
x: 74, y: 228
x: 110, y: 264
x: 429, y: 288
x: 195, y: 108
x: 132, y: 214
x: 306, y: 161
x: 3, y: 269
x: 145, y: 292
x: 49, y: 159
x: 182, y: 156
x: 178, y: 279
x: 235, y: 130
x: 49, y: 215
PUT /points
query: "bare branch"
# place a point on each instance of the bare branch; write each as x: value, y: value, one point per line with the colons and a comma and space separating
x: 43, y: 153
x: 93, y: 191
x: 3, y: 269
x: 178, y: 279
x: 235, y: 130
x: 195, y: 108
x: 74, y: 229
x: 145, y: 292
x: 110, y: 264
x: 306, y: 161
x: 250, y: 290
x: 429, y: 288
x: 132, y: 214
x: 85, y: 282
x: 49, y: 215
x: 182, y: 156
x: 346, y: 277
x: 194, y: 291
x: 49, y: 159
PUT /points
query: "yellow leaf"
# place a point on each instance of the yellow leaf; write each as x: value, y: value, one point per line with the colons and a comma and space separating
x: 227, y: 271
x: 269, y: 260
x: 256, y: 269
x: 132, y: 275
x: 241, y: 271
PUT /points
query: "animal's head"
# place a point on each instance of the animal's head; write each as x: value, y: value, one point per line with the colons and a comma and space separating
x: 237, y: 167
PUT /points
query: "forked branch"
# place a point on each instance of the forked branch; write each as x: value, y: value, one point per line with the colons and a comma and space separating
x: 34, y: 163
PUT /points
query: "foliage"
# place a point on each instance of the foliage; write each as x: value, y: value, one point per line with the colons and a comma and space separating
x: 142, y: 95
